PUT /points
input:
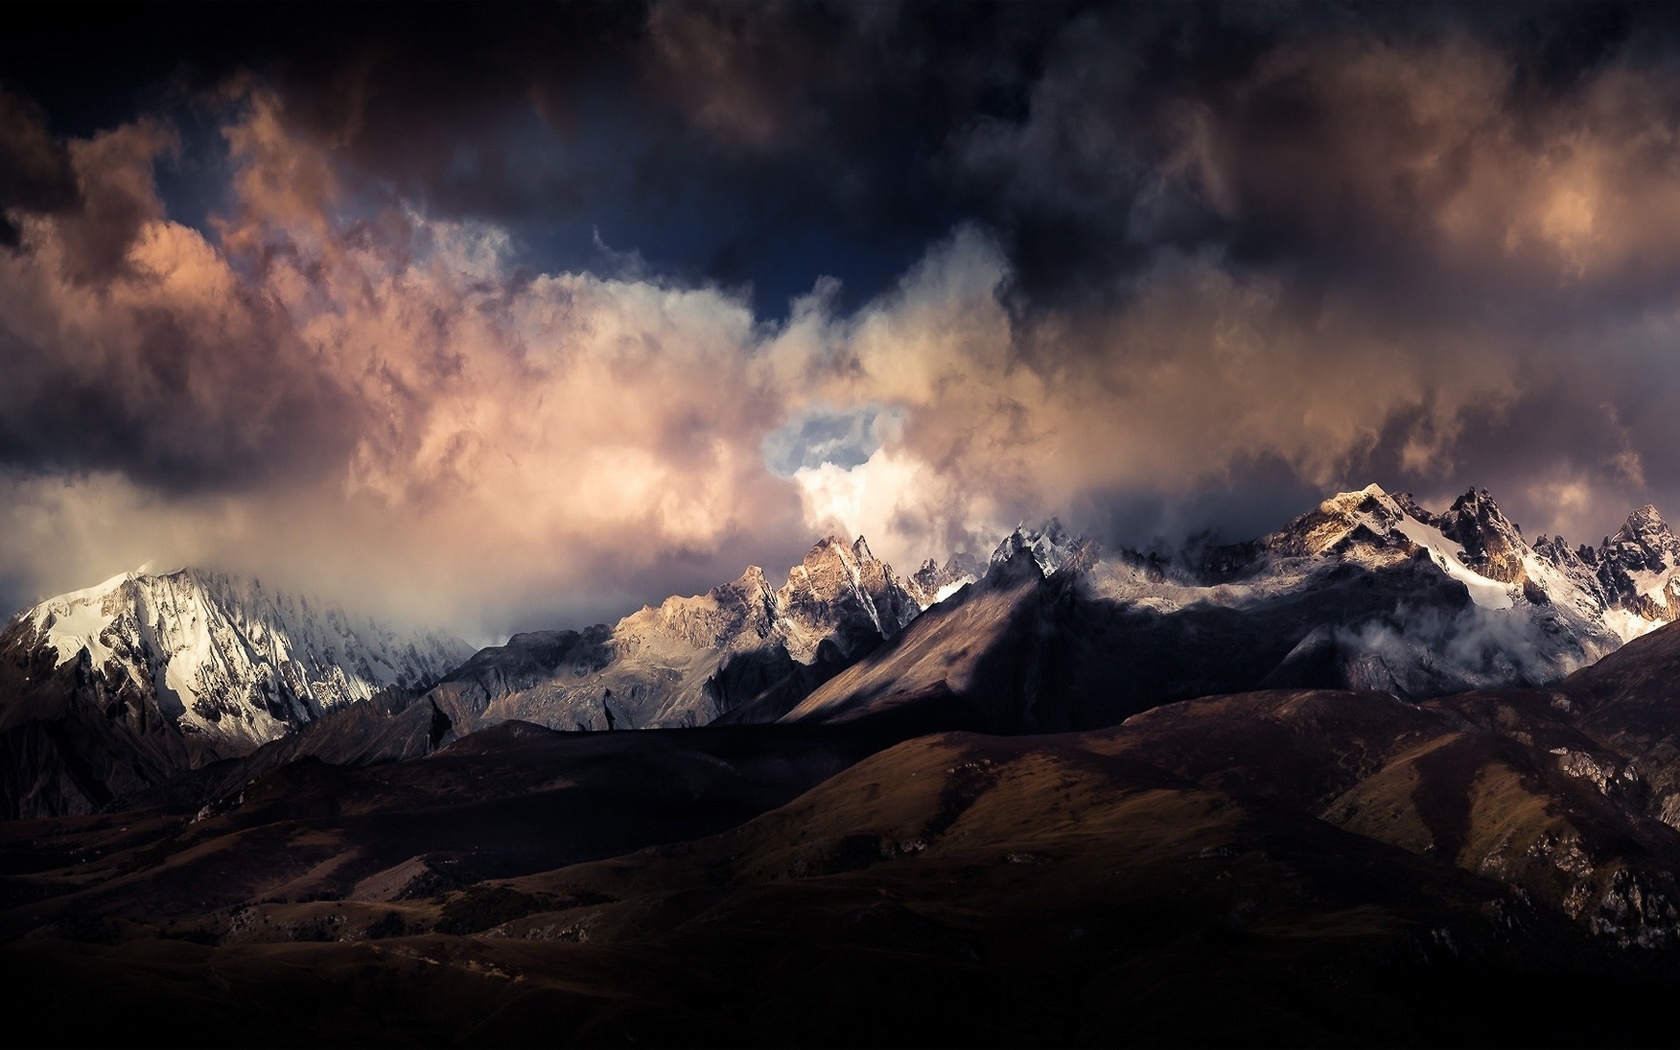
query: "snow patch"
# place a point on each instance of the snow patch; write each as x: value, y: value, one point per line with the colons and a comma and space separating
x: 951, y: 588
x: 1489, y: 594
x: 1628, y: 624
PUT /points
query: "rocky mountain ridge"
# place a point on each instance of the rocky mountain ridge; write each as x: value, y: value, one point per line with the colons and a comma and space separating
x: 690, y: 660
x: 1367, y: 591
x: 1630, y: 582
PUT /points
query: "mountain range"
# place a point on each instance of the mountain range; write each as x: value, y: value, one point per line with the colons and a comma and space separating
x: 1381, y: 776
x: 118, y: 689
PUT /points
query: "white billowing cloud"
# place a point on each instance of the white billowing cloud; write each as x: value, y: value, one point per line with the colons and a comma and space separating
x: 386, y: 408
x: 908, y: 509
x: 382, y: 406
x: 1199, y: 370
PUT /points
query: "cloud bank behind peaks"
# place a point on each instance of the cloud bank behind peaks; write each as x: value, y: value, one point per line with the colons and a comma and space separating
x: 1193, y: 258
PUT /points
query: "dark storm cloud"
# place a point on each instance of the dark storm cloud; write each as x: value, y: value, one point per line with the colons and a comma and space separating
x: 1156, y: 267
x: 765, y: 144
x: 1321, y: 142
x: 736, y: 141
x: 35, y: 173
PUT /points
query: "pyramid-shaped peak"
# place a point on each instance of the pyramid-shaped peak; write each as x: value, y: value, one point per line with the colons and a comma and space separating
x: 1647, y: 524
x: 830, y: 547
x: 861, y: 550
x: 752, y: 579
x: 830, y: 566
x: 1369, y: 497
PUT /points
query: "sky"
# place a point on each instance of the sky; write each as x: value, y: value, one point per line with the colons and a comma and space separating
x: 506, y: 316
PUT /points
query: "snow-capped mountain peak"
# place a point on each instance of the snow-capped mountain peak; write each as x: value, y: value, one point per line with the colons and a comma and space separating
x: 933, y: 583
x: 1050, y: 546
x: 1473, y: 543
x: 221, y: 657
x: 73, y: 622
x: 1639, y: 567
x: 1647, y: 528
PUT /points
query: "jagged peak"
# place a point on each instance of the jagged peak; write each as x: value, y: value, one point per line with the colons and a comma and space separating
x: 1645, y: 523
x: 751, y: 579
x: 1477, y: 510
x: 1049, y: 545
x: 1050, y: 528
x: 1477, y: 500
x: 832, y: 546
x: 1410, y: 507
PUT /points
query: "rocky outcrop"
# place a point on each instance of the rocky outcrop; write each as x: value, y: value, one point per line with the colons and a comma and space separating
x: 1491, y: 542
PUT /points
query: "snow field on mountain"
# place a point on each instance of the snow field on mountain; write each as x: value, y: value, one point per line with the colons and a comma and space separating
x: 224, y: 658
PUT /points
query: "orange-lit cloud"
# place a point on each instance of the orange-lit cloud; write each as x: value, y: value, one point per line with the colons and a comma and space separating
x: 1395, y: 263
